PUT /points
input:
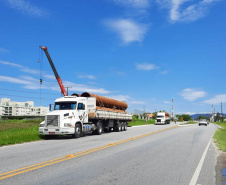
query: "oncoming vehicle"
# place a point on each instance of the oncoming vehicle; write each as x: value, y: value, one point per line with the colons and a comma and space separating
x: 203, y: 122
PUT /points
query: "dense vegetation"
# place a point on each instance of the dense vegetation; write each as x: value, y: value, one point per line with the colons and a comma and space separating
x: 19, y: 135
x: 135, y: 121
x: 220, y: 136
x: 186, y: 117
x: 17, y: 123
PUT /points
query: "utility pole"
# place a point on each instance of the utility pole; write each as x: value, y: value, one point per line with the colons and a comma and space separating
x: 222, y: 112
x: 212, y: 109
x: 144, y: 111
x: 172, y: 107
x: 67, y: 88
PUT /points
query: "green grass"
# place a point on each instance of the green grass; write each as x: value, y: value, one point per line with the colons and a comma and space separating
x: 136, y: 122
x: 19, y: 135
x: 12, y: 124
x: 220, y: 136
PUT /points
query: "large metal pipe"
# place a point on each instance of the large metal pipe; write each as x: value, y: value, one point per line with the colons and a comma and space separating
x: 107, y: 102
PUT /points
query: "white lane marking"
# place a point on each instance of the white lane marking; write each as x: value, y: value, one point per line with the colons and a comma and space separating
x: 199, y: 167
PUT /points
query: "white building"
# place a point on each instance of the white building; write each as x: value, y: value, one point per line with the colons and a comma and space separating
x: 2, y: 111
x: 12, y: 108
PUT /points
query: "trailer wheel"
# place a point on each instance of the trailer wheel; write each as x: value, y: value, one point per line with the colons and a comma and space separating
x: 125, y: 126
x: 78, y: 131
x: 116, y: 127
x: 99, y: 129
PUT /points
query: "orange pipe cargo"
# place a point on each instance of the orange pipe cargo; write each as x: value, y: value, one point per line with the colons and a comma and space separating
x: 107, y: 102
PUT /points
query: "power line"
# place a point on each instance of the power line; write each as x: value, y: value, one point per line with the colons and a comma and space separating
x: 26, y: 91
x: 26, y: 97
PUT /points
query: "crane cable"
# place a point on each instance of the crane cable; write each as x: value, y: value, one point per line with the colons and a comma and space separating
x: 40, y: 61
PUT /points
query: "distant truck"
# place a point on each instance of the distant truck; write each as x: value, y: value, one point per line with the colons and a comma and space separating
x: 77, y: 114
x: 162, y: 118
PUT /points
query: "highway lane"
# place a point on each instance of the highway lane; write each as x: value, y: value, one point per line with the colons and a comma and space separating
x: 166, y: 157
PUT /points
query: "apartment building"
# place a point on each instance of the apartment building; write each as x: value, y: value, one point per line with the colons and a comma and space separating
x: 12, y: 108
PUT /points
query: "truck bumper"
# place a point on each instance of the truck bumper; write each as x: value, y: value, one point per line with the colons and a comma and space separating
x: 160, y: 123
x: 58, y: 131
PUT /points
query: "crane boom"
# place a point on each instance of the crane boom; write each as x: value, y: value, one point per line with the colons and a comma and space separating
x: 63, y: 91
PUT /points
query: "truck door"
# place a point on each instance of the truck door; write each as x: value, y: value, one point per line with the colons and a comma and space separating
x: 82, y: 112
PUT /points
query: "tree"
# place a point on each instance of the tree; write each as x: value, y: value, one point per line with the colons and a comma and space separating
x: 217, y: 117
x: 186, y: 117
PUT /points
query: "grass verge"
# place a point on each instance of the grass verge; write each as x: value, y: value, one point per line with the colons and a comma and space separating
x: 19, y: 135
x: 137, y: 122
x: 11, y: 124
x: 220, y: 136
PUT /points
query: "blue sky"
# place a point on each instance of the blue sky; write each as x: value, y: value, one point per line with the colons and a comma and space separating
x: 144, y: 52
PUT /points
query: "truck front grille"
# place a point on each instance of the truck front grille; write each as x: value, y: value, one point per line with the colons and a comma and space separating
x: 53, y: 120
x: 158, y: 120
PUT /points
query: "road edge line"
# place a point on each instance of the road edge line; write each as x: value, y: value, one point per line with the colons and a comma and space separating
x: 199, y: 167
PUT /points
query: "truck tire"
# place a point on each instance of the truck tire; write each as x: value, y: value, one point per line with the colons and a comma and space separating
x: 99, y: 129
x: 125, y: 127
x: 78, y: 130
x: 120, y: 126
x: 116, y: 127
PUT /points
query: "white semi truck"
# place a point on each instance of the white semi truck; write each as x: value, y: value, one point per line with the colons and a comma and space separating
x: 162, y: 118
x: 79, y: 114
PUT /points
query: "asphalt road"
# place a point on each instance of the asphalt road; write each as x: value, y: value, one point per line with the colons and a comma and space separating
x: 153, y: 154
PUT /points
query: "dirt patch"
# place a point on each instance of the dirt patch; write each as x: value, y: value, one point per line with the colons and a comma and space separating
x: 221, y: 164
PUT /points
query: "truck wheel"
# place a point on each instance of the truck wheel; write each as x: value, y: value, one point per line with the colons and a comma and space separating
x: 99, y: 129
x: 78, y: 130
x: 125, y: 128
x: 116, y: 127
x: 120, y: 127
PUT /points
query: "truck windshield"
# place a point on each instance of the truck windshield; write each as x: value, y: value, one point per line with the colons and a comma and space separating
x: 160, y: 116
x: 65, y: 105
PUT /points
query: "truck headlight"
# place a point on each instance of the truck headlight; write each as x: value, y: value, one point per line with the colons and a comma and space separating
x: 42, y: 124
x: 67, y: 124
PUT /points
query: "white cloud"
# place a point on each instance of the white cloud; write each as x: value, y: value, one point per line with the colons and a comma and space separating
x: 186, y: 10
x: 167, y: 102
x: 22, y: 68
x: 187, y: 113
x: 217, y: 99
x: 11, y: 64
x: 146, y: 66
x: 120, y: 97
x: 192, y: 94
x: 51, y: 77
x: 134, y: 3
x: 25, y: 7
x: 128, y: 30
x: 91, y: 77
x: 126, y: 99
x: 32, y: 83
x: 3, y: 50
x: 163, y: 72
x: 137, y: 102
x: 14, y: 80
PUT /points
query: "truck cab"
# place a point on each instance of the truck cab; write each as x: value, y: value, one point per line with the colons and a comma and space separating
x: 67, y: 112
x: 162, y: 118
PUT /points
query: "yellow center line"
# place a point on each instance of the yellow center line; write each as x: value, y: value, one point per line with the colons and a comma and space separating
x: 70, y: 156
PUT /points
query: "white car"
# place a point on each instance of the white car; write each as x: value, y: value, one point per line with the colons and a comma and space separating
x: 203, y: 122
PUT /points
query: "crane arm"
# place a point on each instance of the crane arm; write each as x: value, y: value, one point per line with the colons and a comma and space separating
x: 63, y: 91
